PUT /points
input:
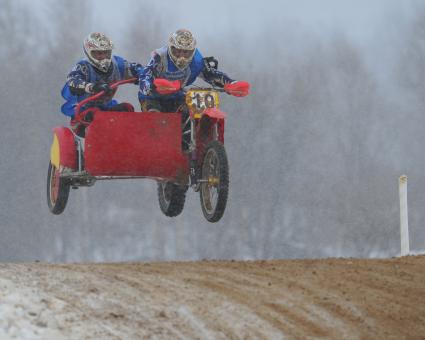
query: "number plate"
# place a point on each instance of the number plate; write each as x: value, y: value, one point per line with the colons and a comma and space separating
x: 199, y: 100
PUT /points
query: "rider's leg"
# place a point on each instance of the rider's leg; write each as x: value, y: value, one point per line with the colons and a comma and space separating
x: 123, y: 107
x: 88, y: 116
x: 150, y: 105
x: 174, y: 105
x: 180, y: 106
x: 77, y: 128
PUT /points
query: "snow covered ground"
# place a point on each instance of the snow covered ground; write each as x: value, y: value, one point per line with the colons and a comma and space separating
x: 325, y: 298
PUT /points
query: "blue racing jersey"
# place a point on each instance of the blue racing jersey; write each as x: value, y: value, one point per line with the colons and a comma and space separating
x: 162, y: 66
x: 83, y: 74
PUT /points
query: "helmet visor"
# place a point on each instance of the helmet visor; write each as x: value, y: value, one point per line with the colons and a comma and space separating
x: 101, y: 54
x: 179, y: 53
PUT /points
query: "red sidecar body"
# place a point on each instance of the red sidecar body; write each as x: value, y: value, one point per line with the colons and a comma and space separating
x: 139, y: 144
x: 126, y: 144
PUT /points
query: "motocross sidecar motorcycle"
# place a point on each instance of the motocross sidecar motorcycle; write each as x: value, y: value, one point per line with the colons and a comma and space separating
x: 120, y: 145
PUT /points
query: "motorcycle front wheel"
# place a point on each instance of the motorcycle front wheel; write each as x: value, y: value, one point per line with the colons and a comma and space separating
x: 215, y: 181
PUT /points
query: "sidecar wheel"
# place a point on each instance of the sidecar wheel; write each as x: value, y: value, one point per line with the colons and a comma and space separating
x: 215, y: 181
x: 57, y: 191
x: 171, y: 198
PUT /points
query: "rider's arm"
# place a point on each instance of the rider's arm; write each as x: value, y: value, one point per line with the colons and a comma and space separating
x: 77, y: 80
x: 148, y: 74
x: 214, y: 77
x: 132, y: 70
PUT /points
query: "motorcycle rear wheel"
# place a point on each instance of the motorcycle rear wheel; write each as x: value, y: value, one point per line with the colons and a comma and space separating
x: 57, y: 190
x: 171, y: 198
x: 215, y: 181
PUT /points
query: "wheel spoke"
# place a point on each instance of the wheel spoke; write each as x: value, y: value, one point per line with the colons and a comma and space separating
x: 167, y: 191
x: 210, y: 189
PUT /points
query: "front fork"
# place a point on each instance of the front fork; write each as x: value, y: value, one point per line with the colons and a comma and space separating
x: 195, y: 171
x: 191, y: 149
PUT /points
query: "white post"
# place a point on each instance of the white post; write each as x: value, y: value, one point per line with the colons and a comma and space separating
x: 404, y: 224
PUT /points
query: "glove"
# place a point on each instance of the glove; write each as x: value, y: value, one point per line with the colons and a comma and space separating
x: 164, y: 86
x: 237, y: 88
x: 102, y: 86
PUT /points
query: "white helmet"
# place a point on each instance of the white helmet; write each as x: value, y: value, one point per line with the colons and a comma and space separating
x: 98, y: 49
x: 181, y: 47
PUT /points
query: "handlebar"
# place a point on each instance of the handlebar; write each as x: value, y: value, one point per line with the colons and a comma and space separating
x: 129, y: 81
x: 210, y: 88
x: 101, y: 93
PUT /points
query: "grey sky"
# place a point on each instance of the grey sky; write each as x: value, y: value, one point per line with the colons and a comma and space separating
x: 358, y: 18
x: 361, y: 19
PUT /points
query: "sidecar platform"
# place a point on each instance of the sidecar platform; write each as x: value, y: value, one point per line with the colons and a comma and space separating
x: 139, y: 144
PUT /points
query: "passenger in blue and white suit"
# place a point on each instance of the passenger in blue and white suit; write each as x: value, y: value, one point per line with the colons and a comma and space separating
x: 94, y: 74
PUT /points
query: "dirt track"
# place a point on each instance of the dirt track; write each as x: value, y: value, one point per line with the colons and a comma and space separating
x: 332, y: 298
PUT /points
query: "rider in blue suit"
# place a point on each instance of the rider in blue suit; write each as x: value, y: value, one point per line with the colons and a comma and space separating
x: 94, y: 74
x: 180, y: 61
